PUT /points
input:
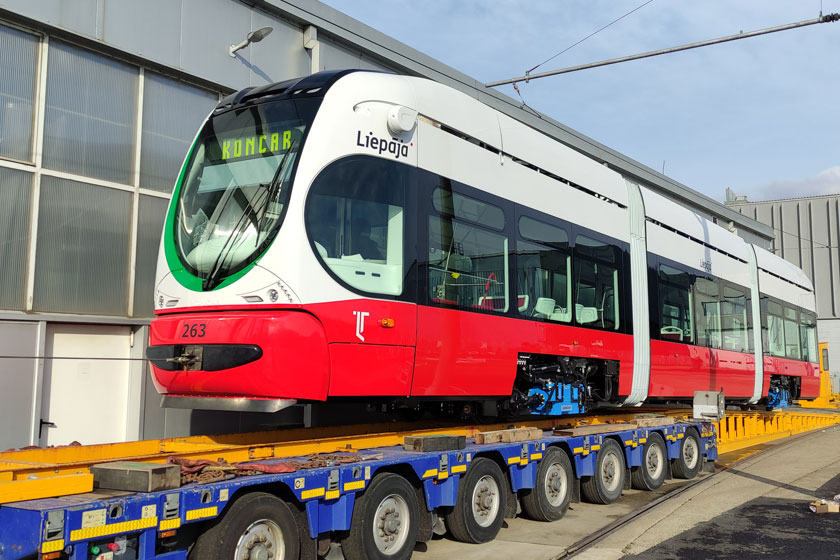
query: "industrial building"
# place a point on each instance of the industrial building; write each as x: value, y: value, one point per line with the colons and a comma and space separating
x: 99, y: 101
x: 807, y: 233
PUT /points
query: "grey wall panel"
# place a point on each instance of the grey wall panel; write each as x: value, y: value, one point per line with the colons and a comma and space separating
x: 336, y: 57
x: 151, y: 28
x: 79, y: 16
x: 822, y: 258
x: 20, y: 381
x: 207, y: 32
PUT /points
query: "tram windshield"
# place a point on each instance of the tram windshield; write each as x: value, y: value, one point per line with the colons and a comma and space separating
x: 236, y: 186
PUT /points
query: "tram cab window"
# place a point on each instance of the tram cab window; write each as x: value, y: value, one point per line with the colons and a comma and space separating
x: 734, y: 318
x: 808, y: 336
x: 793, y: 349
x: 355, y: 218
x: 707, y: 312
x: 775, y: 329
x: 543, y: 262
x: 467, y: 264
x: 596, y: 284
x: 675, y: 303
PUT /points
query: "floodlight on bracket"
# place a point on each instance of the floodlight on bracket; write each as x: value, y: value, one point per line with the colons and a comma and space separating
x: 253, y: 37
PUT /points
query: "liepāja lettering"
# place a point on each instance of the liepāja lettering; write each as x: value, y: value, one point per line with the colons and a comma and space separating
x: 397, y: 148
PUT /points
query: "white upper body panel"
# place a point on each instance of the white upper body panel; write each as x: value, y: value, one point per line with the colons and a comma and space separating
x: 783, y: 280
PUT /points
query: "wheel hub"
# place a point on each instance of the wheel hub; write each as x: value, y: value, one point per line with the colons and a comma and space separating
x: 388, y: 532
x: 485, y: 501
x: 262, y: 540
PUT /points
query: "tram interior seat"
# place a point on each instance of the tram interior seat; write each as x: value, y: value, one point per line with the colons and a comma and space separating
x: 546, y: 308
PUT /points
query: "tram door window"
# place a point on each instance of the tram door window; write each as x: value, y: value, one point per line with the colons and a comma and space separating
x: 792, y: 344
x: 675, y: 304
x: 734, y: 319
x: 542, y: 268
x: 468, y: 264
x: 707, y: 309
x: 355, y: 218
x: 775, y: 329
x: 808, y: 336
x: 597, y: 284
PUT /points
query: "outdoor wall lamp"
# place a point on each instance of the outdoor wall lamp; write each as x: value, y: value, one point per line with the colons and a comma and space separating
x: 253, y: 37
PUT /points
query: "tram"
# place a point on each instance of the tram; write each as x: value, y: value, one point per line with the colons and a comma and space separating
x: 382, y: 238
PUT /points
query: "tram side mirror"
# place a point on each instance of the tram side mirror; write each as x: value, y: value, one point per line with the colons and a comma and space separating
x: 401, y: 120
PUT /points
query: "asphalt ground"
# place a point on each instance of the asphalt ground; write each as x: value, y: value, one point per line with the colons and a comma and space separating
x: 749, y: 508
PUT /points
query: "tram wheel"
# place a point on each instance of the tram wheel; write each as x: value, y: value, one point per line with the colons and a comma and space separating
x: 256, y: 525
x: 689, y: 461
x: 480, y: 508
x: 651, y: 473
x: 605, y: 486
x: 384, y: 524
x: 550, y: 497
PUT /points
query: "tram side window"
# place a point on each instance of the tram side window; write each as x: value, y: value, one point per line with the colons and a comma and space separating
x: 597, y: 284
x: 775, y: 329
x: 543, y: 263
x: 707, y: 312
x: 808, y: 336
x: 675, y: 304
x: 792, y: 343
x: 468, y: 265
x: 734, y: 317
x: 355, y: 219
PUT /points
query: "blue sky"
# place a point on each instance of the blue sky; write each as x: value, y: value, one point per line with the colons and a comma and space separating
x: 761, y: 115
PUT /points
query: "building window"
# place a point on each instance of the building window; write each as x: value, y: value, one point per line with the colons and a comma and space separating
x: 150, y: 219
x: 15, y: 189
x: 172, y: 112
x: 83, y: 248
x: 18, y: 56
x: 90, y: 116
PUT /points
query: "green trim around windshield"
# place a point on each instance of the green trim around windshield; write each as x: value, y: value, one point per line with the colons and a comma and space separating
x: 181, y: 274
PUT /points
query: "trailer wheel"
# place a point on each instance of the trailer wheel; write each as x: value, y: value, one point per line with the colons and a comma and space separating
x: 688, y: 464
x: 651, y: 474
x: 605, y: 486
x: 257, y: 525
x: 385, y: 521
x: 550, y: 497
x: 480, y: 508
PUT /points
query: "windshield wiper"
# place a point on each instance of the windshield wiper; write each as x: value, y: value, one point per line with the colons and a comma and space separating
x: 273, y: 187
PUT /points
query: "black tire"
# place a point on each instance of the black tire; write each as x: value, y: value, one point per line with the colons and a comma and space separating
x: 248, y: 520
x: 605, y: 486
x: 479, y: 511
x: 690, y: 459
x: 552, y: 492
x: 651, y: 474
x: 385, y: 521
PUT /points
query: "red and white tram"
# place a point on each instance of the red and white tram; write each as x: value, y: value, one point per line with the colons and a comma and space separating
x: 382, y: 237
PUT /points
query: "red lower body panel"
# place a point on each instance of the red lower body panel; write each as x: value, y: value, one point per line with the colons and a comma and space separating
x: 295, y: 361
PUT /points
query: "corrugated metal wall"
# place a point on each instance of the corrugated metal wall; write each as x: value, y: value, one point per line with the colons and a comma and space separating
x: 808, y: 235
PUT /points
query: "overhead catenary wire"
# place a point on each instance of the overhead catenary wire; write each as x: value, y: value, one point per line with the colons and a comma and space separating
x: 528, y: 77
x: 570, y: 47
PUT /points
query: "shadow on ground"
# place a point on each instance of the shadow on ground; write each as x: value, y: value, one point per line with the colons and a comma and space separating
x: 763, y: 528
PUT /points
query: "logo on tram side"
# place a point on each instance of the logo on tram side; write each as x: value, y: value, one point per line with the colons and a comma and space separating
x: 395, y: 147
x: 360, y: 323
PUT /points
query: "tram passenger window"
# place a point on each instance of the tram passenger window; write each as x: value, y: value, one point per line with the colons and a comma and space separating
x: 596, y: 284
x: 468, y: 266
x: 707, y: 312
x: 775, y: 329
x: 355, y: 219
x: 675, y: 304
x: 808, y: 336
x: 543, y: 288
x: 734, y: 317
x: 792, y: 344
